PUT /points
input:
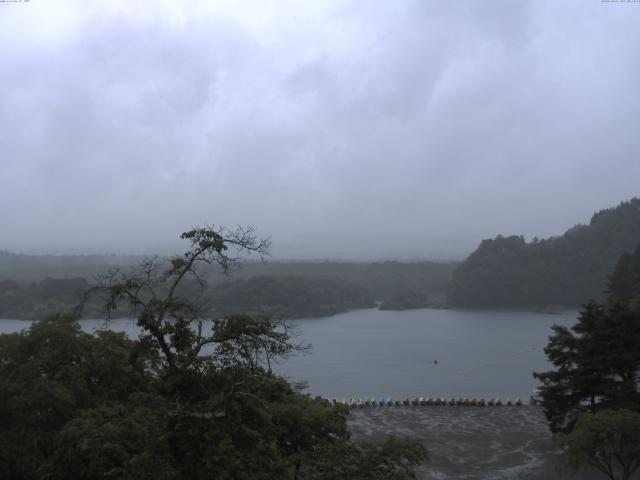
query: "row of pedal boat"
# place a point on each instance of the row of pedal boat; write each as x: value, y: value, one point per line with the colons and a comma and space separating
x: 452, y: 402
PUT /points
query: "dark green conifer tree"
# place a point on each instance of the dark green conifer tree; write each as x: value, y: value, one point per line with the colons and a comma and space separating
x: 597, y: 361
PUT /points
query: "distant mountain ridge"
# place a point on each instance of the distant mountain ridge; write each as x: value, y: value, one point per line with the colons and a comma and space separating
x: 32, y: 286
x: 568, y: 270
x: 22, y: 267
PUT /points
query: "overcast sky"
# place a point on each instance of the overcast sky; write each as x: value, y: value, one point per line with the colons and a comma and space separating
x: 343, y: 129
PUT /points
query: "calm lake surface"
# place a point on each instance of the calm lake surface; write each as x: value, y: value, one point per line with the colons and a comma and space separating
x: 374, y: 353
x: 366, y: 353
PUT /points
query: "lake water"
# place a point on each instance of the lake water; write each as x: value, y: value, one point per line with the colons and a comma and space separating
x: 376, y: 353
x: 365, y: 353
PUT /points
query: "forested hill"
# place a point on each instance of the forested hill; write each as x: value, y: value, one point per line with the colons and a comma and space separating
x: 32, y: 286
x: 382, y: 280
x: 624, y: 282
x: 560, y: 271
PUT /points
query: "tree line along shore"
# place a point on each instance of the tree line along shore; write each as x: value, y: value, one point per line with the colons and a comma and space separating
x: 505, y: 272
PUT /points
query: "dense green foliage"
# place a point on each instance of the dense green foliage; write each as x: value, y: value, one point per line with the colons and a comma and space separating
x: 381, y: 279
x: 289, y: 296
x: 74, y: 405
x: 274, y: 295
x: 566, y: 270
x: 597, y: 361
x: 36, y: 299
x: 279, y: 293
x: 597, y: 365
x: 180, y: 402
x: 592, y: 397
x: 624, y: 283
x: 406, y: 301
x: 608, y: 441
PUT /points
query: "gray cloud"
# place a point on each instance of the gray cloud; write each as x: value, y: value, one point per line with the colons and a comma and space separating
x: 350, y: 129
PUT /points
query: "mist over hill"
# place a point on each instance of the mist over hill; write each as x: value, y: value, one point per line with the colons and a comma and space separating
x: 506, y: 271
x: 566, y: 270
x: 31, y: 286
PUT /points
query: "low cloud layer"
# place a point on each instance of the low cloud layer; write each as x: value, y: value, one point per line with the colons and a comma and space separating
x: 407, y: 129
